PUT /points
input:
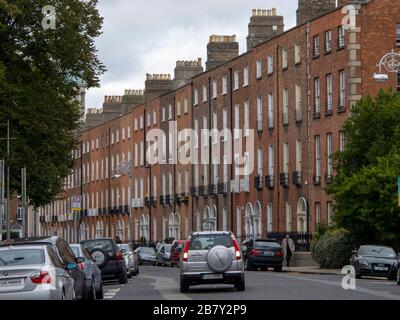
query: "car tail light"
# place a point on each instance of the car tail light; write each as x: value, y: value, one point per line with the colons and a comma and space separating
x: 186, y: 252
x: 119, y: 256
x: 237, y: 249
x: 279, y: 253
x: 81, y: 265
x: 42, y: 277
x: 254, y: 253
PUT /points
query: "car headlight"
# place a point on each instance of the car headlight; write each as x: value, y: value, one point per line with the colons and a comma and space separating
x: 364, y: 262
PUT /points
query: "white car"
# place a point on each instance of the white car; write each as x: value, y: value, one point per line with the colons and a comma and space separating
x: 34, y: 272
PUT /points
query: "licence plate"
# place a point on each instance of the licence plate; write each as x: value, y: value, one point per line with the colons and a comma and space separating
x: 212, y: 276
x: 268, y: 253
x: 10, y: 283
x: 381, y: 268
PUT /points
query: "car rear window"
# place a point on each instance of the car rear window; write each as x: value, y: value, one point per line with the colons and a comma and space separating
x: 76, y: 251
x: 106, y: 245
x: 207, y: 241
x: 147, y: 250
x: 21, y: 257
x: 266, y: 244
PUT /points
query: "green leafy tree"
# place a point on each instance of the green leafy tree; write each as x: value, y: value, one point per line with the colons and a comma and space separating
x: 41, y: 70
x: 365, y: 188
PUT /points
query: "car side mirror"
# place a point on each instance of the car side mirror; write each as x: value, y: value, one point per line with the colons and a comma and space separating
x: 80, y: 259
x: 71, y: 266
x: 124, y: 251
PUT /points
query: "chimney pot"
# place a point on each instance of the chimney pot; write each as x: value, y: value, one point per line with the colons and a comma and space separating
x: 254, y: 12
x: 274, y: 11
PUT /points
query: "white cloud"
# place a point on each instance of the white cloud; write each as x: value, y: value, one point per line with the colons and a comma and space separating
x: 148, y: 36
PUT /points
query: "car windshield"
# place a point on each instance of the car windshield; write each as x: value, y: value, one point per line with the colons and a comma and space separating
x: 146, y: 250
x: 207, y: 241
x: 106, y: 245
x: 124, y: 246
x: 76, y: 251
x: 266, y: 244
x: 21, y: 257
x: 374, y: 251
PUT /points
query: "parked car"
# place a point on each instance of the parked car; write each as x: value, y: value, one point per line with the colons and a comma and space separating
x: 131, y: 259
x: 94, y: 282
x: 34, y: 272
x: 263, y: 253
x: 211, y: 257
x: 108, y: 257
x: 163, y: 255
x: 398, y: 273
x: 54, y: 261
x: 377, y: 261
x: 146, y: 255
x: 176, y: 251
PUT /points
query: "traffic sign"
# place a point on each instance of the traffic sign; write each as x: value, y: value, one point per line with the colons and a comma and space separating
x: 76, y: 203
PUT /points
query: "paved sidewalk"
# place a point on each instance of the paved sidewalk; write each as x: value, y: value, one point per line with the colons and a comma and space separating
x: 312, y: 270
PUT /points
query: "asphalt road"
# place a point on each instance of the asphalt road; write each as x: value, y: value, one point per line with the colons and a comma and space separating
x: 162, y: 283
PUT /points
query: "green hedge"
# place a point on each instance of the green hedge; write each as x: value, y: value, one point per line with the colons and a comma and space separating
x: 332, y: 249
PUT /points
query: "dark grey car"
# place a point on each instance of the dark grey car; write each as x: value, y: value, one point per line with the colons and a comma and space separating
x: 377, y: 261
x: 108, y: 257
x: 94, y: 282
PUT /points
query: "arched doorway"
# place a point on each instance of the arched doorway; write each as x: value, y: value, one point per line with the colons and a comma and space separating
x: 213, y: 218
x: 256, y: 219
x: 302, y: 215
x: 249, y: 228
x: 121, y: 230
x: 206, y: 217
x: 99, y: 229
x: 144, y: 226
x: 174, y: 224
x: 82, y: 229
x: 17, y: 229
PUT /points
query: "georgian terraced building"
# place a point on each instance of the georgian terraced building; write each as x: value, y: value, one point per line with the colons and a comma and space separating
x: 289, y: 93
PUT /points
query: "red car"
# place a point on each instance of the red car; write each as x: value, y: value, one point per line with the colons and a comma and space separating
x: 176, y: 250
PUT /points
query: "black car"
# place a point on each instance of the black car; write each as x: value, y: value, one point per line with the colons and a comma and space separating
x: 377, y: 261
x: 262, y: 253
x: 108, y: 258
x: 67, y: 257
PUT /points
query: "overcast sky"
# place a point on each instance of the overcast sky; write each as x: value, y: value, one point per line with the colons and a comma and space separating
x: 148, y: 36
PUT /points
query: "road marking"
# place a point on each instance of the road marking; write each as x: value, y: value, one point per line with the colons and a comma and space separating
x: 110, y: 293
x: 167, y: 287
x: 381, y: 294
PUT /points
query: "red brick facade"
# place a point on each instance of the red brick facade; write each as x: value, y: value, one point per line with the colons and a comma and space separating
x: 296, y: 111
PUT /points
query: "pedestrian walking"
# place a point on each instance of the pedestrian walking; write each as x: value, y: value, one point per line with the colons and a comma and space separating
x: 288, y: 249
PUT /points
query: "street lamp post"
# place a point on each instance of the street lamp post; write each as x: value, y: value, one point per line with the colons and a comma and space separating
x: 391, y: 63
x: 125, y: 167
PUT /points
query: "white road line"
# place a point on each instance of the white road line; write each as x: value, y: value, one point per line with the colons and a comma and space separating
x: 110, y: 293
x: 381, y: 294
x: 167, y: 287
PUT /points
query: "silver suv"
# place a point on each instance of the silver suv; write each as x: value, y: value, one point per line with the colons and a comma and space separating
x: 211, y: 257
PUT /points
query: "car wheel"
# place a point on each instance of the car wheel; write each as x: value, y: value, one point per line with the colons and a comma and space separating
x: 137, y: 270
x: 398, y: 277
x: 123, y: 278
x: 184, y: 286
x: 63, y: 297
x: 358, y: 274
x: 278, y: 269
x: 100, y: 293
x: 240, y: 284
